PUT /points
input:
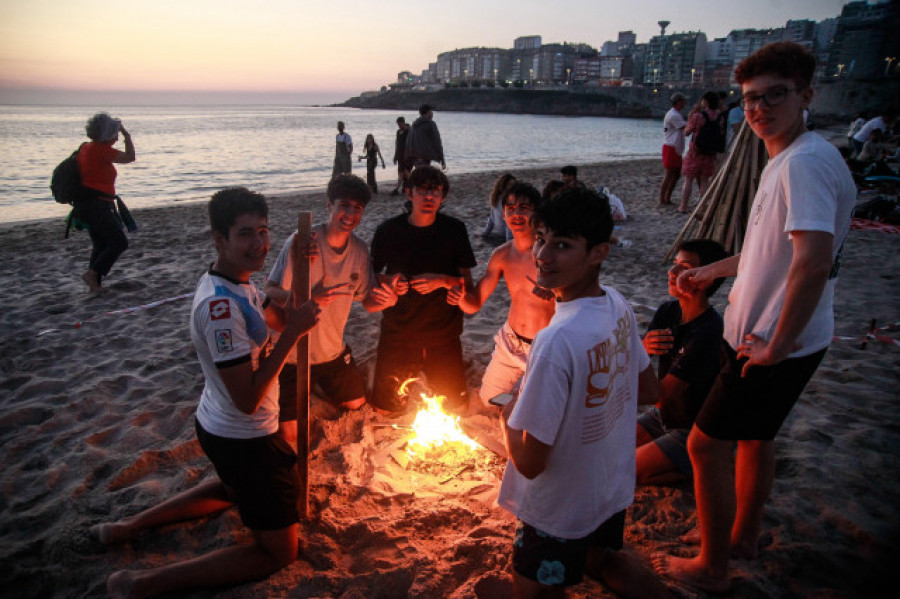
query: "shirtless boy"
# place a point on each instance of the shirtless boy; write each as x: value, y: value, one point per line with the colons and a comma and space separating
x: 530, y: 308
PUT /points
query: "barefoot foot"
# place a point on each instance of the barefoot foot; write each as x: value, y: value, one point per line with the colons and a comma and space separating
x: 737, y: 550
x: 691, y: 572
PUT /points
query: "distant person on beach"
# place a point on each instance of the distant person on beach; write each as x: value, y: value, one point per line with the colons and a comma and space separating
x: 884, y: 122
x: 570, y: 177
x: 530, y: 306
x: 855, y: 126
x: 340, y: 268
x: 423, y: 144
x: 400, y: 155
x: 97, y: 207
x: 343, y: 150
x: 686, y: 334
x: 673, y: 147
x: 699, y: 164
x: 237, y: 417
x: 552, y: 188
x: 495, y: 228
x: 779, y: 321
x: 371, y: 155
x: 569, y: 433
x: 733, y: 123
x: 420, y: 257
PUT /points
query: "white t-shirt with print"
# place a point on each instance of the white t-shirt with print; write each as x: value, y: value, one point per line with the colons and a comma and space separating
x: 579, y: 395
x: 228, y: 328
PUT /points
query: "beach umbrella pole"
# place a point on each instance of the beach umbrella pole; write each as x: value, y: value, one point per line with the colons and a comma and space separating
x: 300, y: 286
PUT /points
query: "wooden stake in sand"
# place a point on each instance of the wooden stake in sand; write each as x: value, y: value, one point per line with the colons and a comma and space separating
x: 723, y: 210
x: 300, y: 287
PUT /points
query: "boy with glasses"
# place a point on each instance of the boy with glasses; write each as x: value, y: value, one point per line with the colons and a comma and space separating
x: 418, y: 257
x: 779, y: 319
x: 530, y: 307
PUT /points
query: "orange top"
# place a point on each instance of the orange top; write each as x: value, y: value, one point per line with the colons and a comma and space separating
x: 95, y: 161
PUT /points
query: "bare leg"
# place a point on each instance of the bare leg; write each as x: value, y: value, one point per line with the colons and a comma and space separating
x: 714, y: 490
x: 207, y: 498
x: 754, y: 476
x: 288, y: 430
x: 624, y: 573
x: 92, y: 280
x: 654, y: 467
x: 271, y: 551
x: 686, y: 193
x: 668, y: 185
x: 525, y: 588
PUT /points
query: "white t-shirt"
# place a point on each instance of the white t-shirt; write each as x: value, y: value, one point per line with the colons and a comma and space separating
x: 227, y: 328
x: 862, y: 135
x: 673, y: 130
x: 807, y: 187
x: 579, y: 394
x: 351, y: 265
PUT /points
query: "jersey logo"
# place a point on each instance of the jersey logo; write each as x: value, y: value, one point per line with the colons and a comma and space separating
x: 219, y: 309
x: 223, y: 341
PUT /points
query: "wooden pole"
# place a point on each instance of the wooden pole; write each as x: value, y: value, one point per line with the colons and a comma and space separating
x: 300, y: 287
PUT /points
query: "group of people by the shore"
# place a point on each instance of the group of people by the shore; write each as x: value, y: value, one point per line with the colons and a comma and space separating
x: 568, y: 369
x: 416, y: 145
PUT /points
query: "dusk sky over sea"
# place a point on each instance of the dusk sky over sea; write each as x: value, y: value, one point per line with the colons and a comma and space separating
x: 320, y: 50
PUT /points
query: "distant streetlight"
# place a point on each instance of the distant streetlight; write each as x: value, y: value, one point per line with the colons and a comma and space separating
x: 887, y: 67
x: 692, y: 76
x: 840, y: 69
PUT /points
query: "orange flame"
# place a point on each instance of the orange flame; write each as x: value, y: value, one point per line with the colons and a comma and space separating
x: 432, y: 428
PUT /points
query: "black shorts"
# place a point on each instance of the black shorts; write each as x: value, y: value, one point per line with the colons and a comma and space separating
x: 556, y: 562
x: 340, y: 380
x: 262, y: 474
x: 753, y: 407
x: 398, y: 360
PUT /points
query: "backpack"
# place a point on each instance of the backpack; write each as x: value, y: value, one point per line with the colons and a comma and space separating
x: 65, y: 183
x: 710, y: 139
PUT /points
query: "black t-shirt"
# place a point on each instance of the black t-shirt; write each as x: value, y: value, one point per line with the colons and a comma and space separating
x: 441, y: 248
x: 694, y: 358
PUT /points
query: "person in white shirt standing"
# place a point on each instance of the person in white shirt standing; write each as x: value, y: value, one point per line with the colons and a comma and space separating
x: 673, y: 147
x: 779, y: 321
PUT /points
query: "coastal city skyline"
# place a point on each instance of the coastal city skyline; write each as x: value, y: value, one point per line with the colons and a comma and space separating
x: 53, y: 51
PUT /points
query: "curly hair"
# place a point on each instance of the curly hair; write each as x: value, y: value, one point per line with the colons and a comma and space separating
x: 228, y: 204
x: 102, y: 127
x: 348, y: 187
x: 785, y: 59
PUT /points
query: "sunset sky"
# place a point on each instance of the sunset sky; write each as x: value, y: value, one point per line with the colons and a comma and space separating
x: 334, y: 49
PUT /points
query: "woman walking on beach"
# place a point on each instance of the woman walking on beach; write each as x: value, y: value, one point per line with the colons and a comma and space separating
x: 97, y: 209
x: 698, y: 163
x: 372, y: 154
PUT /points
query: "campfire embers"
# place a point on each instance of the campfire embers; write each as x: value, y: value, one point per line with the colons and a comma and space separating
x: 435, y: 444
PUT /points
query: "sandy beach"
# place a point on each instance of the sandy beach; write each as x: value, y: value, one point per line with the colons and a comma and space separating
x: 97, y: 401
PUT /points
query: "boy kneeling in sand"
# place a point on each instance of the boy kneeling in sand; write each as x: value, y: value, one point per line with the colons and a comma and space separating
x: 530, y: 307
x: 341, y: 269
x: 237, y: 418
x: 570, y: 432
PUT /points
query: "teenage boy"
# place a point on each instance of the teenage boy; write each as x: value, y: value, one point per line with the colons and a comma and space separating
x: 419, y: 257
x: 686, y: 334
x: 570, y: 431
x: 237, y: 418
x: 530, y: 306
x: 340, y: 269
x: 779, y: 319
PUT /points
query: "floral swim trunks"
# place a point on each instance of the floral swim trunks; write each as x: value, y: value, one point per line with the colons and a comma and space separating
x: 557, y: 562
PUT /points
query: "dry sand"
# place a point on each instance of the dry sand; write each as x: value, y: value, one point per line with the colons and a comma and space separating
x: 97, y: 423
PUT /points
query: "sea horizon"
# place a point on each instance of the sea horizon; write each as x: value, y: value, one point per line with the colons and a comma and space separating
x: 185, y: 153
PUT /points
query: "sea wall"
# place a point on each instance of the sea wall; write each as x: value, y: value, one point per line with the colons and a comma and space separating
x: 833, y: 101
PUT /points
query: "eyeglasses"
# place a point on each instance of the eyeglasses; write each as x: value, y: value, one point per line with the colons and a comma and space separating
x: 521, y: 208
x: 434, y: 192
x: 772, y: 97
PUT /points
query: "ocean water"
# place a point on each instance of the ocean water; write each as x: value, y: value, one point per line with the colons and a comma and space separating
x: 185, y: 153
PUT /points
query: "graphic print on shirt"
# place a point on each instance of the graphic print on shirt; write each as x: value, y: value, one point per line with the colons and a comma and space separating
x: 604, y: 398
